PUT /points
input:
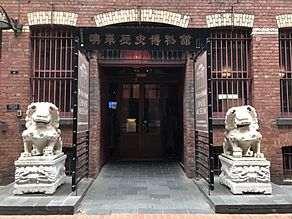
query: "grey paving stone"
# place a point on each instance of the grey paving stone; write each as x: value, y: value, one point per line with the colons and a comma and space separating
x: 124, y: 211
x: 200, y: 211
x: 157, y: 196
x: 175, y: 211
x: 141, y: 187
x: 150, y: 211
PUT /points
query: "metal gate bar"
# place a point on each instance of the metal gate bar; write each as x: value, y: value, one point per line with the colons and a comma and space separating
x: 204, y: 158
x: 80, y: 146
x: 204, y: 151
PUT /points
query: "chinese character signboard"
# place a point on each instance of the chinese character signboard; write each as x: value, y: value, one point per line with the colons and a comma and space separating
x: 201, y: 93
x: 83, y: 92
x: 142, y: 38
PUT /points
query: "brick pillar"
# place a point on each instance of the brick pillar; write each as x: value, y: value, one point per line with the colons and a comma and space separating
x: 94, y: 153
x: 188, y: 119
x: 266, y: 93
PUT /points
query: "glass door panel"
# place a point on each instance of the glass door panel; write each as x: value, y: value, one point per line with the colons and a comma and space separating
x: 151, y: 122
x: 130, y: 112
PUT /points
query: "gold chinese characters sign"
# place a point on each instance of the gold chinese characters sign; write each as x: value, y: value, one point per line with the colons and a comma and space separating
x: 143, y: 38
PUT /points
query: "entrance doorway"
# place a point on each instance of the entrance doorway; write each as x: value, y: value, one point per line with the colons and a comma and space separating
x: 141, y: 118
x: 144, y: 112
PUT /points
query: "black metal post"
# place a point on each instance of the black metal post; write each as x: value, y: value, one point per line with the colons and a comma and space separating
x: 210, y: 126
x: 196, y: 152
x: 87, y: 149
x: 75, y: 108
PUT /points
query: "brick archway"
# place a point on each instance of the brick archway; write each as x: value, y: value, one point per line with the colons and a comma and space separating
x: 46, y: 17
x: 284, y: 20
x: 143, y: 15
x: 229, y: 19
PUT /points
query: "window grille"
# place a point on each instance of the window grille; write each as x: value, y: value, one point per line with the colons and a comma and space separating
x: 287, y: 162
x: 52, y: 70
x: 230, y: 67
x: 285, y: 74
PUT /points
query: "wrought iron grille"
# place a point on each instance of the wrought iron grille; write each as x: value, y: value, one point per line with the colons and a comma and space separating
x: 80, y: 159
x: 52, y: 69
x: 230, y: 66
x: 287, y: 162
x: 285, y: 44
x: 204, y: 158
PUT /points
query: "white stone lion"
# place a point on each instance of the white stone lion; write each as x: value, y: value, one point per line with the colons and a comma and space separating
x: 42, y: 136
x: 241, y: 133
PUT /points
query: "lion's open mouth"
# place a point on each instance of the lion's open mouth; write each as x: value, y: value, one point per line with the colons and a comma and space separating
x: 243, y: 125
x: 42, y: 122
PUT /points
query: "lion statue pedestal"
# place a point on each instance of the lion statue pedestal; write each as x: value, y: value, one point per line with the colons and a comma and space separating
x: 41, y: 167
x: 243, y: 167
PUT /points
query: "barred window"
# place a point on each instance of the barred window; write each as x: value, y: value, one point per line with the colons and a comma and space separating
x: 52, y: 70
x: 287, y: 162
x: 230, y: 69
x: 285, y: 44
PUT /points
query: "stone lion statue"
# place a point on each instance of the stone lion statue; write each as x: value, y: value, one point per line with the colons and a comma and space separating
x: 42, y: 136
x: 241, y: 134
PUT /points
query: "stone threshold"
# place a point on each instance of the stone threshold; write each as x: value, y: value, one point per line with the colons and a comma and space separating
x: 63, y: 201
x: 224, y: 202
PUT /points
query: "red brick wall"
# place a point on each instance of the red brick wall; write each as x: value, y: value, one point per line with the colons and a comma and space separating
x: 188, y: 120
x: 14, y: 89
x: 266, y: 95
x: 265, y: 68
x: 94, y: 153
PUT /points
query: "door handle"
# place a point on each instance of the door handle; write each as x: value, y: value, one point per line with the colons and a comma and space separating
x: 144, y: 128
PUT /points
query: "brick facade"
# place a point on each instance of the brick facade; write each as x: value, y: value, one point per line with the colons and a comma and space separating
x: 264, y: 17
x: 143, y: 15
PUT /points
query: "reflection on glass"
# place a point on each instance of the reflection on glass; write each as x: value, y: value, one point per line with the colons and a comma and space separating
x: 151, y: 108
x: 130, y: 108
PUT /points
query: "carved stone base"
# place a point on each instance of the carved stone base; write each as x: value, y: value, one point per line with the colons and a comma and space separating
x: 43, y: 175
x: 245, y: 175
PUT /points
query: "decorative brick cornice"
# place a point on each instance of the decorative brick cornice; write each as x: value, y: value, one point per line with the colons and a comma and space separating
x: 284, y: 20
x: 265, y: 31
x: 229, y: 19
x: 143, y: 15
x: 46, y: 17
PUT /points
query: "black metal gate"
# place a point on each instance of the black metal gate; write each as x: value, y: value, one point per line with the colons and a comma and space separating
x: 80, y: 147
x: 204, y: 158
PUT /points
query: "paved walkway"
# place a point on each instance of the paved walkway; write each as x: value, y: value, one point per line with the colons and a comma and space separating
x: 143, y: 188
